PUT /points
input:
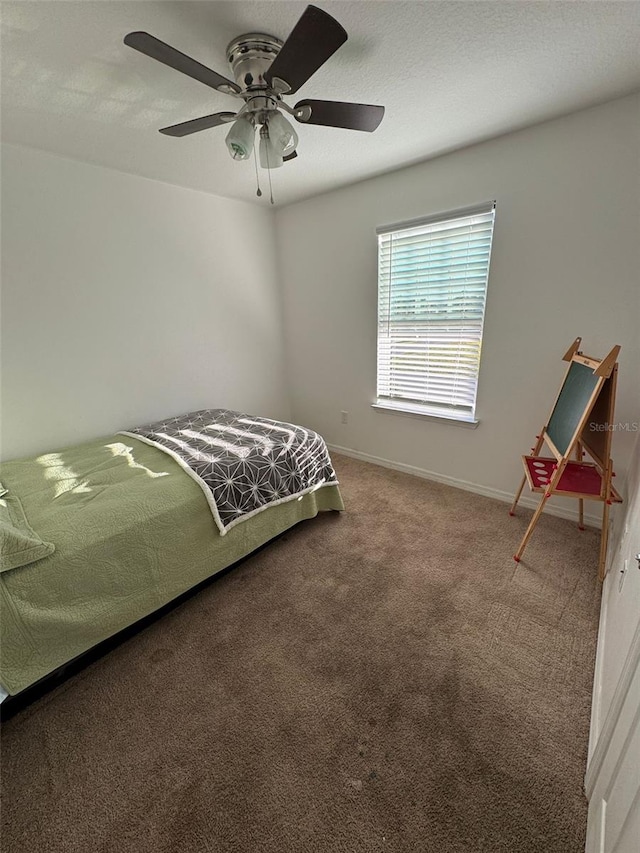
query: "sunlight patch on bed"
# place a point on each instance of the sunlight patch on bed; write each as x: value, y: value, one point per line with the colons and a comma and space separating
x: 266, y: 443
x: 65, y: 479
x: 199, y: 454
x: 120, y: 449
x: 242, y: 452
x: 273, y: 425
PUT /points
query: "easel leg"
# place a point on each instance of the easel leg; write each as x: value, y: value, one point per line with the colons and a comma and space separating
x: 579, y: 457
x: 536, y: 515
x: 512, y: 511
x: 530, y: 528
x: 604, y: 538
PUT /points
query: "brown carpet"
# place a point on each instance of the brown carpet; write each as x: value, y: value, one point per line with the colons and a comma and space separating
x: 384, y: 680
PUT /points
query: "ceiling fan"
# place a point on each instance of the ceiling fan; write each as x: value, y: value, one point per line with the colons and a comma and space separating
x: 265, y: 69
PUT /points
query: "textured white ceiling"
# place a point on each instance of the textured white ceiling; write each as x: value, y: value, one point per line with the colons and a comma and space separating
x: 450, y: 74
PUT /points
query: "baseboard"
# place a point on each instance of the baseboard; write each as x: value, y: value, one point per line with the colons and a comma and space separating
x: 486, y: 491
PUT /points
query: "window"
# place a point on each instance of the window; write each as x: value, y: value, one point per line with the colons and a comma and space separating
x: 432, y: 286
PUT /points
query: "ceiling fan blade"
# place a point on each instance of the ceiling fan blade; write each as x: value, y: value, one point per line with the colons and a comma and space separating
x: 291, y: 156
x: 156, y: 49
x: 196, y: 124
x: 340, y: 114
x: 312, y: 41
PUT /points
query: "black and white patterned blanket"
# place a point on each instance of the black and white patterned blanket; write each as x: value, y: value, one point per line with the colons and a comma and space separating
x: 242, y: 463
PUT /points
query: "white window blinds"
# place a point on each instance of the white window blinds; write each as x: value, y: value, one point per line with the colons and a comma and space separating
x: 432, y: 285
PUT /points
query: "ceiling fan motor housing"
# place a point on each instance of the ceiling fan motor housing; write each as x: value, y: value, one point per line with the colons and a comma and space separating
x: 249, y: 56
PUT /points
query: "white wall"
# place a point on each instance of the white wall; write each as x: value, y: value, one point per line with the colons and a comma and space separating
x: 125, y: 299
x: 565, y: 263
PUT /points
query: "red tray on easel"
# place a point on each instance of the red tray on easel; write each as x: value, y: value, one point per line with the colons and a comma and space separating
x: 579, y: 479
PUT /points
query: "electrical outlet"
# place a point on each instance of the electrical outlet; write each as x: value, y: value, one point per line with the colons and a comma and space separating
x: 344, y: 417
x: 623, y: 574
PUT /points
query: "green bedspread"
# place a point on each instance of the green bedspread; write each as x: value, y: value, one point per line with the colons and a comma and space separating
x: 131, y: 531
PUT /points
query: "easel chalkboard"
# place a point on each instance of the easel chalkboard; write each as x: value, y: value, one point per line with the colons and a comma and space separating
x: 574, y: 397
x: 580, y: 423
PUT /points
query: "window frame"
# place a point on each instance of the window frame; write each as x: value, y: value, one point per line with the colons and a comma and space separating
x: 413, y: 408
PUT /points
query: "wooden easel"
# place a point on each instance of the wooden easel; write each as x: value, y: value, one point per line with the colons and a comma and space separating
x: 580, y: 423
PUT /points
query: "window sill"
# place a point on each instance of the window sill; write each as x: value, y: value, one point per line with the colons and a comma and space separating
x: 455, y: 420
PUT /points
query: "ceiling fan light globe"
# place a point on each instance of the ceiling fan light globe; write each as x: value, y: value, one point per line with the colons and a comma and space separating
x: 240, y: 138
x: 282, y: 134
x: 270, y: 154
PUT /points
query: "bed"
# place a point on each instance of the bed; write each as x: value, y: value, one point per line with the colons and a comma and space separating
x: 122, y: 525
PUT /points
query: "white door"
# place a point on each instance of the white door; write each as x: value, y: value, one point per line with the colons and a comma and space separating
x: 612, y: 782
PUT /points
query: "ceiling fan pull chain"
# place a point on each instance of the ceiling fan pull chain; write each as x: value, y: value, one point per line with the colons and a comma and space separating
x: 270, y: 187
x: 268, y: 168
x: 255, y: 163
